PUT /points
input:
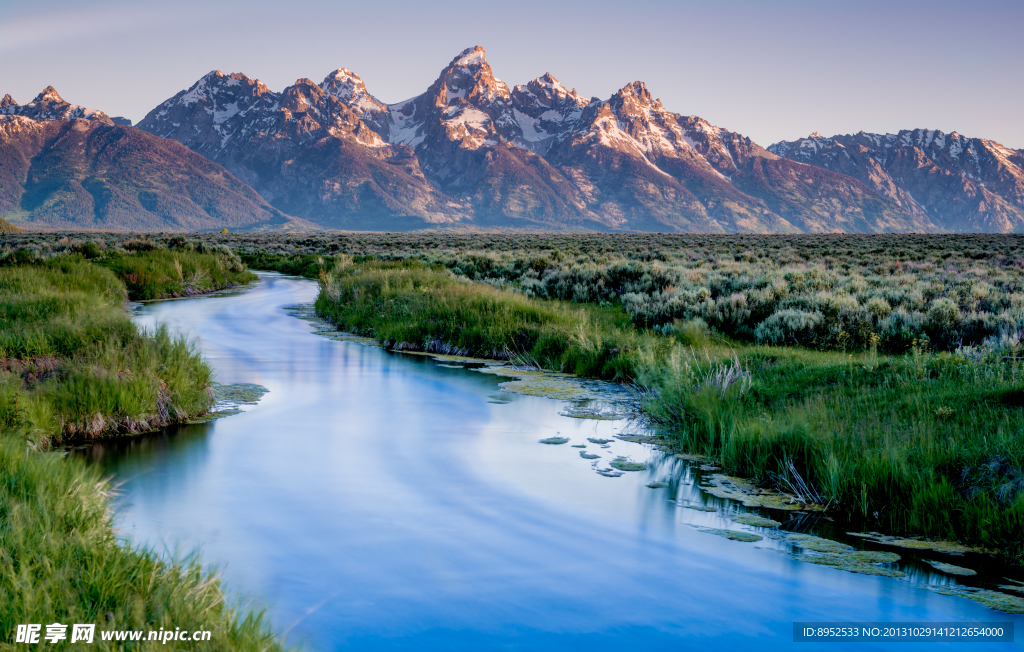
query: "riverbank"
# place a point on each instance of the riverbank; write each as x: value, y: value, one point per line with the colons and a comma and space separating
x: 924, y: 444
x: 74, y: 365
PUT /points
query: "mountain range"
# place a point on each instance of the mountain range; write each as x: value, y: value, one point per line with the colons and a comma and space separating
x: 473, y: 152
x: 66, y: 167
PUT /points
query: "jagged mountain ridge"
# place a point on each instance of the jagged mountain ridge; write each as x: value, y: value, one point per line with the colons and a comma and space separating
x: 471, y: 150
x: 959, y: 184
x: 66, y: 166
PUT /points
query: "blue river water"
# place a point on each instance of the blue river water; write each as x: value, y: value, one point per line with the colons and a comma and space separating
x: 378, y: 501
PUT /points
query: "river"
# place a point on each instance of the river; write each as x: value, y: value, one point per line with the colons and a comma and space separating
x: 374, y: 500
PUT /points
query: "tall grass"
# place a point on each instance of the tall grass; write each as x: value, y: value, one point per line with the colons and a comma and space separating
x: 407, y: 305
x: 60, y: 562
x: 177, y: 273
x: 72, y: 364
x: 919, y: 444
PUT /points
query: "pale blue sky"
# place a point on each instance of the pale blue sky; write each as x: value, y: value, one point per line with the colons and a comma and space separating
x: 770, y: 70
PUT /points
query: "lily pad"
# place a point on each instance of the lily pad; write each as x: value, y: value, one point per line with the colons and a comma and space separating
x: 554, y: 441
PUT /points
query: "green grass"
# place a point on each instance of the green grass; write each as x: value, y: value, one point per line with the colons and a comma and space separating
x: 924, y: 443
x: 61, y: 562
x: 73, y: 365
x: 407, y: 305
x: 308, y: 265
x: 177, y: 273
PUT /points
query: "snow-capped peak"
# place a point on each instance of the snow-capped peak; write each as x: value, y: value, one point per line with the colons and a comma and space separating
x: 637, y: 89
x: 471, y: 57
x: 49, y: 105
x: 49, y: 94
x: 348, y: 87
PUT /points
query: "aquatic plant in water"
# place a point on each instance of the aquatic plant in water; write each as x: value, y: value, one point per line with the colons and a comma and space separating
x: 755, y: 520
x: 950, y: 568
x: 623, y: 464
x: 734, y: 535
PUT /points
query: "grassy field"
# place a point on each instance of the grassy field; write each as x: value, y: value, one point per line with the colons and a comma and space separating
x: 830, y: 292
x: 878, y: 374
x: 406, y: 305
x: 73, y: 365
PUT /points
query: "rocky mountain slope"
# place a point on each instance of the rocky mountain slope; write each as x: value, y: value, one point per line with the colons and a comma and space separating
x: 472, y: 150
x: 70, y: 167
x: 957, y: 183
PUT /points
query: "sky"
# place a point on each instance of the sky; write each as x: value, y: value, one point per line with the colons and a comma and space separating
x: 768, y: 69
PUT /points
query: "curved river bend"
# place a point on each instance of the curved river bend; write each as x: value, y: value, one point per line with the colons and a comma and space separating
x: 381, y: 501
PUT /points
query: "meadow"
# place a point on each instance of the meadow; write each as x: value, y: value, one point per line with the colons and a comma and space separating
x: 74, y: 366
x: 878, y: 375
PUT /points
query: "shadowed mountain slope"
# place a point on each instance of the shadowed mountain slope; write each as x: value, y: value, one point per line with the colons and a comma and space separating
x: 957, y: 183
x: 64, y: 166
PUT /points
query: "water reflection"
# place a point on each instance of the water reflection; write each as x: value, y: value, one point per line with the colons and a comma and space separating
x: 379, y: 501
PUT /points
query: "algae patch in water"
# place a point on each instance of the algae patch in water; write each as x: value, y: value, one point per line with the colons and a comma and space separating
x: 609, y: 473
x: 1010, y: 604
x: 657, y: 485
x: 841, y: 556
x: 950, y: 568
x: 622, y: 464
x: 873, y: 556
x: 229, y: 398
x: 850, y: 564
x: 750, y: 495
x: 949, y: 547
x: 594, y: 440
x: 579, y: 445
x: 598, y: 412
x: 588, y: 456
x: 701, y: 508
x: 307, y: 312
x: 817, y: 544
x: 554, y: 441
x: 243, y: 393
x: 539, y: 383
x: 755, y: 520
x: 733, y: 535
